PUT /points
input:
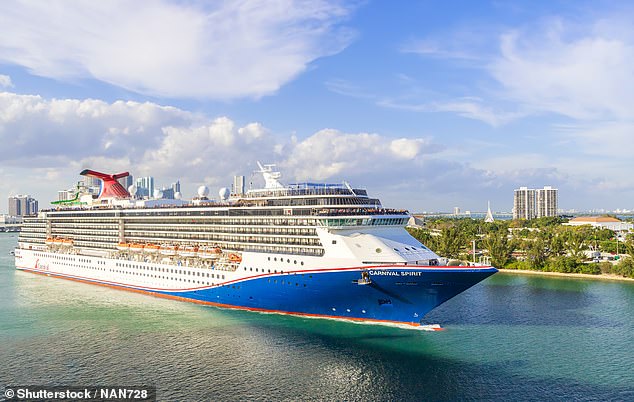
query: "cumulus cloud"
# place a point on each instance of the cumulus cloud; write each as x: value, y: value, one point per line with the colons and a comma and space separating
x: 56, y: 138
x: 5, y: 81
x: 219, y: 50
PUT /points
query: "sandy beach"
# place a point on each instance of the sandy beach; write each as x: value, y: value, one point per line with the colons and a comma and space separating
x: 608, y: 277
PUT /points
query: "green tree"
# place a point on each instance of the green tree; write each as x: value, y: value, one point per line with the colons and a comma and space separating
x: 536, y: 252
x: 450, y: 242
x: 577, y: 241
x: 499, y: 247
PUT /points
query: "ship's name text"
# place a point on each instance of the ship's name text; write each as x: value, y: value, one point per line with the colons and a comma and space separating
x: 395, y: 273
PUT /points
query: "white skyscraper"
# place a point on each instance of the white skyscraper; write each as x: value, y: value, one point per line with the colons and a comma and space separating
x: 546, y: 201
x: 524, y: 203
x: 530, y: 203
x: 238, y: 185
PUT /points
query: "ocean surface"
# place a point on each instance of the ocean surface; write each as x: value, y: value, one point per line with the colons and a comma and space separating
x: 509, y: 338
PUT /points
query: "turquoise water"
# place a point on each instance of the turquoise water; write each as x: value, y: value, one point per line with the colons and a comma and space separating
x: 510, y: 338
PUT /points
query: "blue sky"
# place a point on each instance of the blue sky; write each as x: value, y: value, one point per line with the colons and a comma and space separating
x: 428, y: 104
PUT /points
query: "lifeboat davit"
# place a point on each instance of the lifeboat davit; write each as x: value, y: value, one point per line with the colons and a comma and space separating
x: 188, y: 251
x: 122, y: 246
x: 151, y: 248
x: 168, y: 249
x: 136, y: 247
x: 235, y: 258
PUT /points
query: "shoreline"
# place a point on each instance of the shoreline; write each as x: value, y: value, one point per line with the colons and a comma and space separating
x: 608, y: 277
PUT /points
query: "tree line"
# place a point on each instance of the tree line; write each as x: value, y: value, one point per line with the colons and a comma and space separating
x: 542, y: 244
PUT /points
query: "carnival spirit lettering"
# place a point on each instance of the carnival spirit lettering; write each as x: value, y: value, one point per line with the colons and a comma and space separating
x: 395, y: 273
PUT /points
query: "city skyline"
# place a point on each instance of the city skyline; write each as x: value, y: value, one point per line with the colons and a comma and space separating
x: 428, y: 106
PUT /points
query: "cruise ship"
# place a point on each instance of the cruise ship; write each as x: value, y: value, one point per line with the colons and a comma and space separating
x: 305, y: 249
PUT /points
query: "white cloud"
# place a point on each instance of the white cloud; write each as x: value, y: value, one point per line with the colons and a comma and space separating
x: 5, y: 81
x: 246, y: 48
x: 471, y: 108
x: 583, y: 76
x: 51, y: 140
x: 56, y: 138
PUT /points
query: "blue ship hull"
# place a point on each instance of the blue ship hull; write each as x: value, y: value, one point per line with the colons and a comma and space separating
x: 392, y: 295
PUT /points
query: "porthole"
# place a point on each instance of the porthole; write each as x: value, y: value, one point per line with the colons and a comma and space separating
x: 378, y: 250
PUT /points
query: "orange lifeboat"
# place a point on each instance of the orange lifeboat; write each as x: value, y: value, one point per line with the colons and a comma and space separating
x: 123, y: 246
x: 136, y: 247
x: 49, y: 241
x: 188, y: 251
x: 67, y: 242
x: 151, y: 248
x: 168, y: 249
x: 235, y: 258
x: 209, y: 252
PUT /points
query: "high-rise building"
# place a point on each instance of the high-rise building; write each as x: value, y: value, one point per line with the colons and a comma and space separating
x: 238, y: 185
x: 546, y: 202
x: 524, y: 203
x: 530, y: 203
x: 169, y: 193
x: 21, y: 205
x: 126, y: 181
x: 145, y: 186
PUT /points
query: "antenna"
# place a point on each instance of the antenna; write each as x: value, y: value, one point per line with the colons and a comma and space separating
x: 350, y: 188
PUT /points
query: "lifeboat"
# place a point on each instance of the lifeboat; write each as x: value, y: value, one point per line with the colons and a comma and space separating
x: 67, y: 242
x: 188, y: 251
x: 168, y: 249
x: 209, y: 252
x: 49, y: 241
x: 235, y: 258
x: 136, y: 247
x: 58, y: 241
x: 151, y: 248
x: 122, y: 246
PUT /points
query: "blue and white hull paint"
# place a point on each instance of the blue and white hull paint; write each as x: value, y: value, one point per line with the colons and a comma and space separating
x: 400, y: 294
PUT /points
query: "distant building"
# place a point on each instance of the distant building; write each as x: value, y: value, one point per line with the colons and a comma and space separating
x: 529, y: 203
x: 546, y: 202
x: 145, y: 186
x: 126, y: 182
x: 169, y: 193
x: 238, y: 185
x: 10, y: 220
x: 524, y: 203
x: 22, y: 205
x: 605, y: 222
x: 91, y: 185
x: 456, y: 210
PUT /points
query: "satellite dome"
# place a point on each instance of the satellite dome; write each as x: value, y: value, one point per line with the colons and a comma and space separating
x: 224, y: 193
x: 132, y: 190
x: 203, y: 191
x: 158, y: 193
x: 178, y: 195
